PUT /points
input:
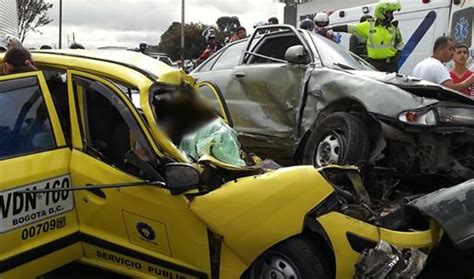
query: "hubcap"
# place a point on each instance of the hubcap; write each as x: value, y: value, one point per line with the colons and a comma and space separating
x: 328, y: 150
x: 277, y: 267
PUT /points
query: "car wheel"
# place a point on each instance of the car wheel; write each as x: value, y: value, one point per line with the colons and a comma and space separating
x: 298, y: 257
x: 340, y: 138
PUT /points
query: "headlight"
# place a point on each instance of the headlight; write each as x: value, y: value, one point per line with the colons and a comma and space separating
x: 439, y: 115
x: 423, y: 118
x: 453, y: 115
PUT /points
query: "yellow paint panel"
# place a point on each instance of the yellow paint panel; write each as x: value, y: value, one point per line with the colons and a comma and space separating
x: 337, y: 226
x: 254, y: 213
x: 131, y: 265
x: 104, y: 218
x: 418, y: 239
x: 231, y: 265
x: 147, y: 233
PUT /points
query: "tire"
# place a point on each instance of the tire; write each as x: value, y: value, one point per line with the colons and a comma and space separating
x: 298, y: 257
x: 340, y: 138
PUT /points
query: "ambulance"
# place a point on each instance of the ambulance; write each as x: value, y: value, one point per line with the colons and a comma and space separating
x: 420, y: 22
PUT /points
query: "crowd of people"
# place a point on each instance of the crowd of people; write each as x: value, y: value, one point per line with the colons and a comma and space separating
x: 432, y: 68
x: 238, y: 33
x: 379, y: 41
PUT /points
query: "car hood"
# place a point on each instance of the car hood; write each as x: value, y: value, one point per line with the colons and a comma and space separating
x: 255, y: 212
x: 418, y: 87
x: 453, y: 209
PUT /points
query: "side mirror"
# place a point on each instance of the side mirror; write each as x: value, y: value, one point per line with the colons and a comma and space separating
x: 296, y: 55
x: 181, y: 177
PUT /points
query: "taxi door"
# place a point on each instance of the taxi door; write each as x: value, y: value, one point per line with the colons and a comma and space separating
x: 37, y: 231
x: 142, y: 230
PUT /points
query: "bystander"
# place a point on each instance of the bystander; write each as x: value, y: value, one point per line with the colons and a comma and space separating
x: 432, y: 68
x: 18, y: 60
x: 460, y: 72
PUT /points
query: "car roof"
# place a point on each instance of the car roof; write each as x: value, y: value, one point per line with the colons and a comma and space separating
x: 144, y: 64
x: 128, y: 66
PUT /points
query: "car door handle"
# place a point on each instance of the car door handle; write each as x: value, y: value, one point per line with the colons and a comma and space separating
x: 98, y: 192
x: 239, y: 75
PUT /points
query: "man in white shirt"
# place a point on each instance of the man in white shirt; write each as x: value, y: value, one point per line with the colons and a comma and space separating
x: 432, y: 68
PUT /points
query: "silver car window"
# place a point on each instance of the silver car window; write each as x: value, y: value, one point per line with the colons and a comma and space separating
x: 230, y: 57
x: 274, y: 46
x: 207, y: 65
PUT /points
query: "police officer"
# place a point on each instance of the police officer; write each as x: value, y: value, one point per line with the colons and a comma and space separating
x: 384, y: 40
x: 321, y: 21
x: 357, y: 44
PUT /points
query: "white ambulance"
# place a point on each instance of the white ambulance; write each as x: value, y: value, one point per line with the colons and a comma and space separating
x: 420, y: 22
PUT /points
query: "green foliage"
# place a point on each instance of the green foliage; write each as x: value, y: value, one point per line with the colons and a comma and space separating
x: 194, y: 43
x: 31, y: 15
x: 170, y: 42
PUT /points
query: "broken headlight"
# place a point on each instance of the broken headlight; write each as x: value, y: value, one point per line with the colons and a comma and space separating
x: 456, y: 115
x: 423, y: 118
x: 439, y: 115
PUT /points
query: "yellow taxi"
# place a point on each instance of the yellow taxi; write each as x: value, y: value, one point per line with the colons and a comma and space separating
x: 89, y: 174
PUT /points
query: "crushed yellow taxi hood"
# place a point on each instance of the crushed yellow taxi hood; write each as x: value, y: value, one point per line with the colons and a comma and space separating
x: 254, y: 213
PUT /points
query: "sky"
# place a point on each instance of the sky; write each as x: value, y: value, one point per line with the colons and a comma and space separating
x: 128, y: 22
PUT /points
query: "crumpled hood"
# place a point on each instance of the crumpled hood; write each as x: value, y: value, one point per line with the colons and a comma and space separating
x: 255, y: 212
x: 421, y: 88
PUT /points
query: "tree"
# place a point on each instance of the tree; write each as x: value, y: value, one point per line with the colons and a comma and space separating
x: 227, y: 23
x: 170, y: 42
x: 32, y: 14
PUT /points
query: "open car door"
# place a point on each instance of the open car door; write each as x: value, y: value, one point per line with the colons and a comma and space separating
x: 37, y: 231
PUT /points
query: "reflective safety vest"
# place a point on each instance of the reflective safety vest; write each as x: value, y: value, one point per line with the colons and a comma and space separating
x: 382, y: 42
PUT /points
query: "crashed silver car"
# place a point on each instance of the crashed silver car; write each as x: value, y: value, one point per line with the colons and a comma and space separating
x: 297, y: 97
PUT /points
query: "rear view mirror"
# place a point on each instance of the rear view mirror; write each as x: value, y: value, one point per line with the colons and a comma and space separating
x: 296, y: 55
x: 181, y: 177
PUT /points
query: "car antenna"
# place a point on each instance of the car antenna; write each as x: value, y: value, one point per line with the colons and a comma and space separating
x: 93, y: 187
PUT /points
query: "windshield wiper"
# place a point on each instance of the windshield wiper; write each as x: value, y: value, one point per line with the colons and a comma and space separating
x: 343, y: 66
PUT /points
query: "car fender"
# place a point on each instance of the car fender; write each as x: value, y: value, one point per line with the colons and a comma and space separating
x: 231, y: 266
x: 327, y: 86
x: 254, y: 213
x: 453, y: 209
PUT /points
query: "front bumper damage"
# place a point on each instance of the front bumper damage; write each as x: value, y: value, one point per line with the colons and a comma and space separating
x: 446, y: 151
x: 388, y: 261
x: 397, y: 231
x: 361, y: 218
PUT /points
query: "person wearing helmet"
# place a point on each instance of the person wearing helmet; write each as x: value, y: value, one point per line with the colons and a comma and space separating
x: 212, y: 44
x: 384, y: 40
x: 142, y: 47
x: 307, y: 24
x: 321, y: 20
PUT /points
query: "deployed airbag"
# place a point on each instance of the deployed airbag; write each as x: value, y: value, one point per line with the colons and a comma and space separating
x: 216, y: 139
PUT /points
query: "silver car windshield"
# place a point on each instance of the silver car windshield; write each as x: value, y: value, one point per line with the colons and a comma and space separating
x: 334, y: 55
